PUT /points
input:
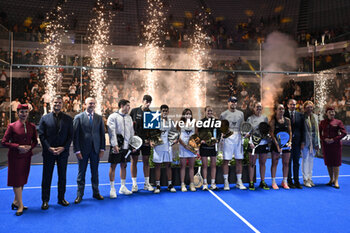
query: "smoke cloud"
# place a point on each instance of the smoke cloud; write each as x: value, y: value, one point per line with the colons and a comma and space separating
x: 279, y: 55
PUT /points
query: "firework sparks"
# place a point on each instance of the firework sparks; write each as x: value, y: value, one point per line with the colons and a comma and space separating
x: 98, y: 31
x: 198, y: 54
x: 53, y: 39
x: 322, y: 84
x: 153, y: 34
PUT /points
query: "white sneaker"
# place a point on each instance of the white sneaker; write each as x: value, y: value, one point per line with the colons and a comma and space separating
x: 171, y: 188
x: 213, y: 187
x: 124, y: 190
x: 148, y: 187
x: 183, y: 188
x: 192, y: 188
x: 134, y: 188
x: 227, y: 186
x: 157, y: 190
x: 205, y: 187
x: 241, y: 186
x: 112, y: 193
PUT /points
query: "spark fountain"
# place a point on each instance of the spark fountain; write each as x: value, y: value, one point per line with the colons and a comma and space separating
x: 153, y: 34
x: 322, y: 83
x: 53, y: 39
x: 98, y: 36
x: 198, y: 55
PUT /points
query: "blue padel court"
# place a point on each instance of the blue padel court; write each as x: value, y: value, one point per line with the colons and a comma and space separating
x: 318, y: 209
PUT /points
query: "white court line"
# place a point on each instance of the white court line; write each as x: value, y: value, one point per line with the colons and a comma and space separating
x: 280, y: 177
x: 68, y: 186
x: 74, y: 185
x: 235, y: 212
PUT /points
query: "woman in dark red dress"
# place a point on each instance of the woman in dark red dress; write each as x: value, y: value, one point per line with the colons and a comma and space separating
x: 20, y: 137
x: 331, y: 133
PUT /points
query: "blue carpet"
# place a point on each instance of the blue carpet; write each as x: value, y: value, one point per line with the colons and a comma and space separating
x: 318, y: 209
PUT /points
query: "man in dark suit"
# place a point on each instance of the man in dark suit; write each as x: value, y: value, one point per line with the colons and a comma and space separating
x: 89, y: 143
x: 298, y: 141
x: 56, y: 133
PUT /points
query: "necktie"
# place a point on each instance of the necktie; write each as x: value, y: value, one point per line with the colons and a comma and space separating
x: 292, y: 116
x: 90, y: 118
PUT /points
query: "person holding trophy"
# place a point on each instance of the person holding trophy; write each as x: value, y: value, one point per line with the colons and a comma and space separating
x: 232, y: 141
x: 188, y: 148
x: 208, y: 148
x: 163, y: 153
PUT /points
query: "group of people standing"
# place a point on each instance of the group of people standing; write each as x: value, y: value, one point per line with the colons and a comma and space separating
x: 57, y: 131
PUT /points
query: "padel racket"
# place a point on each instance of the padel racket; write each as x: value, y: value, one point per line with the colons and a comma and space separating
x: 283, y: 139
x: 256, y: 139
x: 198, y: 179
x: 264, y: 129
x: 134, y: 144
x: 245, y: 129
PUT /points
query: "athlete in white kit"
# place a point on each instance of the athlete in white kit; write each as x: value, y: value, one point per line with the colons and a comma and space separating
x: 185, y: 152
x: 233, y: 144
x: 163, y: 154
x: 119, y: 124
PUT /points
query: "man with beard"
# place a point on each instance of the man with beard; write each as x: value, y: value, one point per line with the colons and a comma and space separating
x: 233, y: 144
x: 137, y: 117
x: 55, y: 133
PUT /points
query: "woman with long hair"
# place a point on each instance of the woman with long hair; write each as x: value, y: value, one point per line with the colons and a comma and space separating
x: 279, y: 123
x: 261, y: 150
x: 186, y: 131
x: 206, y: 150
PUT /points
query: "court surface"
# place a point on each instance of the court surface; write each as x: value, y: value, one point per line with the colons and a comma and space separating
x: 318, y: 209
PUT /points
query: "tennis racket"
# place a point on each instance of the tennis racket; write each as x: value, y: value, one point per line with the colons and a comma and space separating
x: 198, y: 179
x: 134, y: 144
x: 283, y: 139
x: 256, y: 139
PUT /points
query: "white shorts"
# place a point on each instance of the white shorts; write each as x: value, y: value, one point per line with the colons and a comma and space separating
x: 162, y: 156
x: 232, y: 147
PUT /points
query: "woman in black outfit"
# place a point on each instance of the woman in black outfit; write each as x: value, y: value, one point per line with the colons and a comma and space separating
x: 279, y: 123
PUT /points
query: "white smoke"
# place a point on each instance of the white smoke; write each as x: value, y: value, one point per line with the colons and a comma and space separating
x: 279, y: 55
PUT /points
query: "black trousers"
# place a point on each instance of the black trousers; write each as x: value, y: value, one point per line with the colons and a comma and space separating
x: 49, y: 163
x: 294, y: 164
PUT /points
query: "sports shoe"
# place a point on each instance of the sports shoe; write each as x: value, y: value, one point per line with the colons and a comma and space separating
x: 148, y: 187
x: 213, y: 187
x: 183, y: 188
x: 171, y: 188
x: 192, y: 188
x: 124, y: 190
x: 274, y: 186
x: 157, y: 190
x: 263, y: 185
x: 251, y: 186
x: 227, y: 186
x: 134, y: 188
x: 112, y: 193
x: 205, y: 187
x: 307, y: 184
x: 240, y: 186
x: 312, y: 183
x: 284, y: 185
